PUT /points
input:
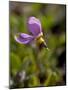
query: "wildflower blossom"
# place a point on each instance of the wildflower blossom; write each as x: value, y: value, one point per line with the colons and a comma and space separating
x: 34, y: 26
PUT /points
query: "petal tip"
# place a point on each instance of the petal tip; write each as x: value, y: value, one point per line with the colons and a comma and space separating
x: 16, y: 38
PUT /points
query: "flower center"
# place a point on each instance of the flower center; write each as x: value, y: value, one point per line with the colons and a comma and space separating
x: 40, y: 35
x: 39, y: 39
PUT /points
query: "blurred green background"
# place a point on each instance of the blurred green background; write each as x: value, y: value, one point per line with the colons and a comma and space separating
x: 28, y: 66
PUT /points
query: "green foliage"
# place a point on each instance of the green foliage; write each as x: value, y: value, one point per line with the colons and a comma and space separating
x: 15, y: 63
x: 34, y: 82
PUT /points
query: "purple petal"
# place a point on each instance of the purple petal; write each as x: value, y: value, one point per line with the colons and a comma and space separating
x: 34, y: 26
x: 23, y: 38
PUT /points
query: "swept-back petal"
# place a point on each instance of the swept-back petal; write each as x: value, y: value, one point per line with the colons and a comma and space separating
x: 23, y: 38
x: 34, y: 26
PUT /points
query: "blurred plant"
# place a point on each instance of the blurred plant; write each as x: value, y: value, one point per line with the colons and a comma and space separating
x: 30, y: 66
x: 36, y: 30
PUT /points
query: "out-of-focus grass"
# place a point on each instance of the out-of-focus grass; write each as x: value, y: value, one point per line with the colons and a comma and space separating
x: 42, y: 68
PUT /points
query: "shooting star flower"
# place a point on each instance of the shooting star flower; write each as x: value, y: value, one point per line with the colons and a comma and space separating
x: 34, y: 26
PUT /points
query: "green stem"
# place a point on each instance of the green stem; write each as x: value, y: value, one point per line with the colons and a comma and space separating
x: 48, y: 79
